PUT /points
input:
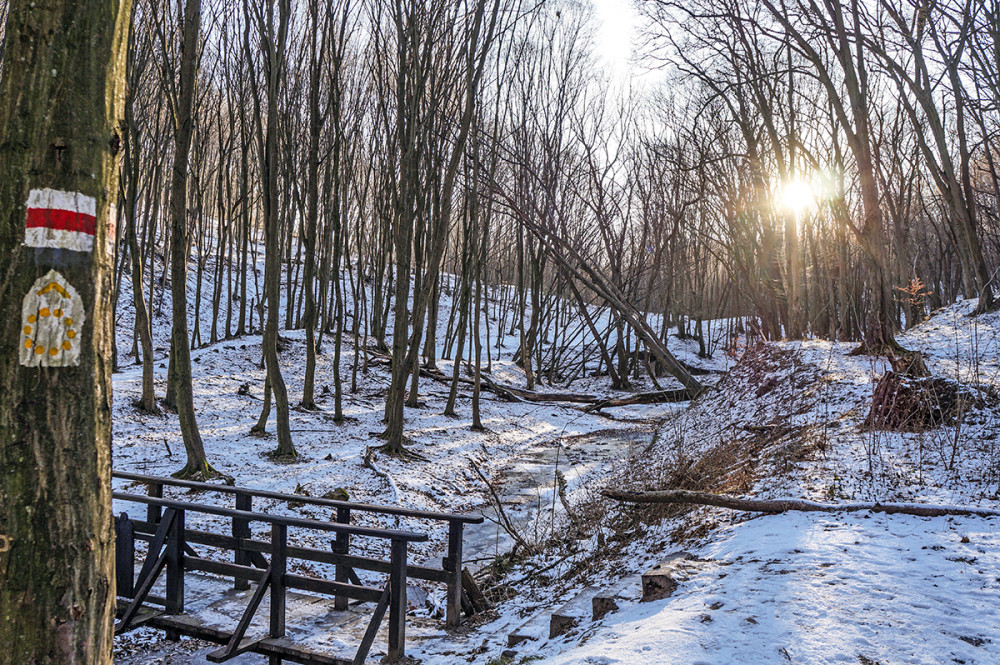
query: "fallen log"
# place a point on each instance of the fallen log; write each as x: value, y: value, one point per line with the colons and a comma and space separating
x: 785, y: 505
x: 500, y: 391
x: 532, y: 396
x: 655, y: 397
x: 514, y: 394
x: 510, y: 392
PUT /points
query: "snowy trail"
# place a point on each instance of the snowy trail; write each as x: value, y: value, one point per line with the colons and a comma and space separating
x: 819, y: 590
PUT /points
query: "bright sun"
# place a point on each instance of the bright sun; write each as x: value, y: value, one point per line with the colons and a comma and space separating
x: 796, y: 196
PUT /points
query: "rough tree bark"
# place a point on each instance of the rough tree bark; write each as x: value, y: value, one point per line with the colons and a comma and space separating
x: 60, y: 100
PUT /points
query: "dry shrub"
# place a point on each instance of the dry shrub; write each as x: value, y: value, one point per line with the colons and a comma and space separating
x: 758, y: 362
x: 916, y: 404
x: 733, y: 466
x: 751, y: 413
x: 730, y: 467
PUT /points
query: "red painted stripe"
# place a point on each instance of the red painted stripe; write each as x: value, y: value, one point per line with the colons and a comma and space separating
x: 61, y: 220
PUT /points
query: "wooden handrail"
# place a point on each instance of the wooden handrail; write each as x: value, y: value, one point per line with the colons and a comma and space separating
x: 316, y: 501
x: 167, y: 552
x: 336, y: 527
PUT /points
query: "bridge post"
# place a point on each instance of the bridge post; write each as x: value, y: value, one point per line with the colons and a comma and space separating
x: 241, y: 529
x: 175, y: 565
x: 342, y: 545
x: 397, y: 602
x: 453, y: 565
x: 154, y: 490
x: 124, y: 556
x: 279, y: 561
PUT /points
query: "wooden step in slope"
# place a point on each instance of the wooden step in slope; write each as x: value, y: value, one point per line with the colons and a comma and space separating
x: 573, y: 613
x: 658, y: 582
x: 594, y: 603
x: 535, y: 628
x: 608, y: 599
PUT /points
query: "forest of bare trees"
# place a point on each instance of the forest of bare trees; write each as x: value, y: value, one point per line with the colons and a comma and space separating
x: 472, y: 147
x: 403, y: 178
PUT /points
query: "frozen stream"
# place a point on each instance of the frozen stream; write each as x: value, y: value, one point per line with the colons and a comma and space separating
x: 526, y: 487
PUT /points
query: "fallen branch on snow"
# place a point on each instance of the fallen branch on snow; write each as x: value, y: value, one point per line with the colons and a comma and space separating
x: 369, y: 461
x: 655, y: 397
x: 522, y: 394
x: 502, y: 520
x: 784, y: 505
x: 511, y: 393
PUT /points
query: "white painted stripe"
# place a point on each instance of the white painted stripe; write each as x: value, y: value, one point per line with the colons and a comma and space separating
x: 75, y: 241
x: 54, y: 198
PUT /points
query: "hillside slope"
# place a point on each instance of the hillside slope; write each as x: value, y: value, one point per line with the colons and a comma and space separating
x: 813, y: 587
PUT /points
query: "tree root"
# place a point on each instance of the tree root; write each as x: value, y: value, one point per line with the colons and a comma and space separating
x: 202, y: 471
x: 983, y: 308
x: 155, y: 411
x: 280, y: 456
x: 903, y: 360
x: 401, y: 452
x: 258, y: 432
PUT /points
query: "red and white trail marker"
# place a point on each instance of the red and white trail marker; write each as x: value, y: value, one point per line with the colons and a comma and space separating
x: 60, y: 220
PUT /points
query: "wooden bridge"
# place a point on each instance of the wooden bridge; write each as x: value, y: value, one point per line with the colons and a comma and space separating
x: 266, y: 563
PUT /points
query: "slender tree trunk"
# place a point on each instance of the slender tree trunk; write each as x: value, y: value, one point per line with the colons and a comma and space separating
x: 463, y: 298
x: 132, y: 154
x: 180, y: 353
x: 142, y: 323
x: 310, y: 224
x: 275, y: 43
x: 477, y: 339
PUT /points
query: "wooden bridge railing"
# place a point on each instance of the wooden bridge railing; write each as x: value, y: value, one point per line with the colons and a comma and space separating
x: 170, y: 549
x: 449, y: 572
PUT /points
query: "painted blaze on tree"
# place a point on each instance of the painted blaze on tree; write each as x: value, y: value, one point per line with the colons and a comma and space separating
x: 52, y: 316
x: 60, y: 220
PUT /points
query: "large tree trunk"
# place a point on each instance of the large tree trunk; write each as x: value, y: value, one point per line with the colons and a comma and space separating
x: 60, y: 96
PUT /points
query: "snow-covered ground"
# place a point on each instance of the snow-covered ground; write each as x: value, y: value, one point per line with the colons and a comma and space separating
x: 523, y: 447
x: 812, y: 587
x: 800, y: 588
x: 817, y: 588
